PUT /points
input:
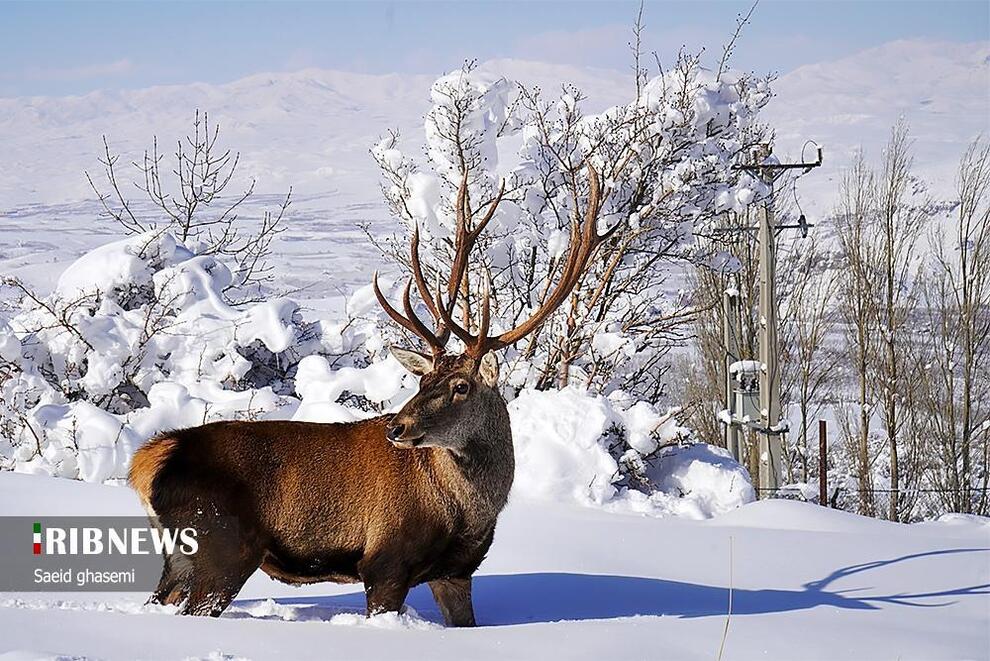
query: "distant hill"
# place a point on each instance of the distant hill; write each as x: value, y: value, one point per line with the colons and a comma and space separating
x: 942, y: 89
x: 312, y: 129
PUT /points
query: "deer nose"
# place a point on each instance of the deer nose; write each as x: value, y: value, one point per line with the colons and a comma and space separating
x: 395, y: 431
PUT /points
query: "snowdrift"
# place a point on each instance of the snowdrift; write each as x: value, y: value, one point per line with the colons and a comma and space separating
x: 562, y: 454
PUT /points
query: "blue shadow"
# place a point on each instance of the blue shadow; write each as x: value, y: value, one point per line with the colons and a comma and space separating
x: 549, y: 597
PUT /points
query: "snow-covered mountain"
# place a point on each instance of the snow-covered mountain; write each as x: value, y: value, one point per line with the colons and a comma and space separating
x: 312, y: 129
x: 942, y: 89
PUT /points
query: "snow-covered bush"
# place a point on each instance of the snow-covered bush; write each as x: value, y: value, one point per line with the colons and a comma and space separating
x: 566, y: 450
x: 136, y: 338
x: 665, y: 163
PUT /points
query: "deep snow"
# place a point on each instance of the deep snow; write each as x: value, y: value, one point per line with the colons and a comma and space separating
x: 564, y: 581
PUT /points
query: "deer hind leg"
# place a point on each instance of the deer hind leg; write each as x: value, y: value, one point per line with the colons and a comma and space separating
x: 171, y: 588
x: 229, y: 548
x: 453, y: 596
x: 219, y: 571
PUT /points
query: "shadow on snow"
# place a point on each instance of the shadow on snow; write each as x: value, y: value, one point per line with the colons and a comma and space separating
x: 548, y: 597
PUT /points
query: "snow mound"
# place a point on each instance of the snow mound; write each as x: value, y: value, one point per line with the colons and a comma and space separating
x: 559, y: 454
x: 958, y: 519
x: 952, y: 522
x: 699, y: 482
x: 564, y: 444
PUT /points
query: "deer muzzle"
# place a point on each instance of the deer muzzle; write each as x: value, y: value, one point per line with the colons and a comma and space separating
x: 402, y: 432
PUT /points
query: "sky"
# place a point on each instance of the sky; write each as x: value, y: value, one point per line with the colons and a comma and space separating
x: 62, y: 48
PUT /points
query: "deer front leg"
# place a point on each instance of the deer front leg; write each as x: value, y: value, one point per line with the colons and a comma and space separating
x: 385, y: 588
x: 385, y: 596
x: 453, y: 596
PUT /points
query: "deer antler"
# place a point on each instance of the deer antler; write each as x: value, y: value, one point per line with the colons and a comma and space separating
x: 466, y: 235
x: 585, y: 240
x: 410, y: 322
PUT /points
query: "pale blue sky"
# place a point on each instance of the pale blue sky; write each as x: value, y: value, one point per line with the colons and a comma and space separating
x: 61, y: 48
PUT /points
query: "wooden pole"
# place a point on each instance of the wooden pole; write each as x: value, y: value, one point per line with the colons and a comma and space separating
x: 822, y: 463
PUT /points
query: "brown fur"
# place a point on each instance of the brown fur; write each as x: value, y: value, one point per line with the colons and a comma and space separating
x: 309, y: 502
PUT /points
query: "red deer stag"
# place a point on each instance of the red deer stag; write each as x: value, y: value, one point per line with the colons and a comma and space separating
x: 393, y: 501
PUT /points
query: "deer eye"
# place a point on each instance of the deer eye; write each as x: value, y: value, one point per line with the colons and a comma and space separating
x: 461, y: 388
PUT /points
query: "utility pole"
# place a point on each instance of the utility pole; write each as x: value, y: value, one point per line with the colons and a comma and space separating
x: 740, y: 381
x: 770, y: 446
x: 730, y: 340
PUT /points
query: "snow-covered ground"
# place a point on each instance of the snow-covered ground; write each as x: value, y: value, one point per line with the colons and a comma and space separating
x: 564, y: 581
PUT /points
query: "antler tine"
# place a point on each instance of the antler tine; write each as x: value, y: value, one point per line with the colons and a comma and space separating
x: 443, y: 333
x: 482, y: 343
x: 486, y: 307
x: 445, y: 314
x: 465, y: 238
x: 412, y: 323
x: 594, y: 208
x: 421, y: 328
x: 475, y: 345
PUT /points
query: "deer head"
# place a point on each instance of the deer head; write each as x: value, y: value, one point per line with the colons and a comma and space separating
x: 456, y: 391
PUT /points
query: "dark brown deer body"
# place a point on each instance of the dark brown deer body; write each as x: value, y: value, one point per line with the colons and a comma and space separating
x: 312, y: 502
x: 393, y: 501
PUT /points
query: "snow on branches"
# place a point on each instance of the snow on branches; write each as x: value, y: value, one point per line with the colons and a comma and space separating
x: 136, y: 328
x: 665, y: 162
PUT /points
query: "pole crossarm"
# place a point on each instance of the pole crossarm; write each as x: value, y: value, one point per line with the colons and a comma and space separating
x: 773, y: 167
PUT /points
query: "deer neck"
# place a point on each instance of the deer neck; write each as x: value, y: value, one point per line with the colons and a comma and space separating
x: 479, y: 476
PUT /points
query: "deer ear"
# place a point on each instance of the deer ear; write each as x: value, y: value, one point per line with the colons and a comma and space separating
x: 417, y: 363
x: 488, y: 369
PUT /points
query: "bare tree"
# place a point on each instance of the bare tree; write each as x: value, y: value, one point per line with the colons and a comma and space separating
x: 857, y: 289
x: 899, y: 224
x: 955, y: 391
x: 189, y: 196
x: 808, y: 319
